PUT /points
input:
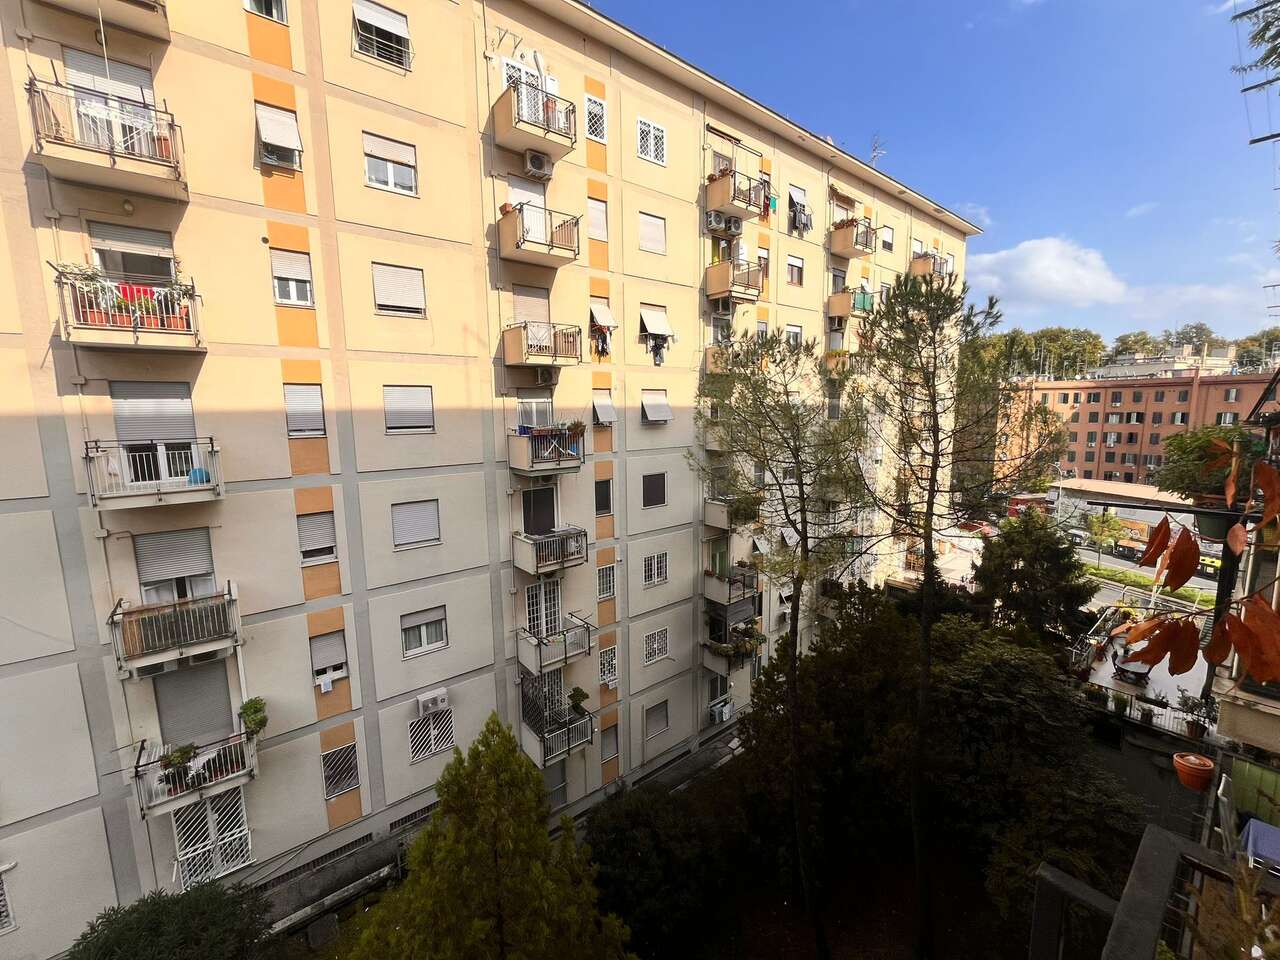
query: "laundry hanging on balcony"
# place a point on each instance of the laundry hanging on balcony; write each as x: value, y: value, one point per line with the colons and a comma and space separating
x: 602, y: 325
x: 656, y: 331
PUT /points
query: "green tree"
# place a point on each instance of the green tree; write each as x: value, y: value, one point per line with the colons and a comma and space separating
x: 485, y: 881
x: 1066, y: 351
x: 1030, y: 577
x: 1104, y: 530
x: 1196, y: 335
x: 1139, y: 341
x: 209, y: 921
x: 1257, y: 348
x: 1189, y: 455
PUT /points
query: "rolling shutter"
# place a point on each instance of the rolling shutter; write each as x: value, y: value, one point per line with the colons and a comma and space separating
x: 316, y: 531
x: 113, y: 78
x: 379, y: 16
x: 653, y: 233
x: 328, y: 650
x: 398, y: 288
x: 602, y: 402
x: 653, y: 321
x: 123, y: 239
x: 278, y: 127
x: 290, y: 264
x: 417, y: 522
x: 376, y: 146
x: 304, y: 409
x: 408, y: 408
x: 532, y: 304
x: 194, y: 705
x: 653, y: 403
x: 146, y: 411
x: 434, y: 615
x: 172, y: 554
x: 597, y: 219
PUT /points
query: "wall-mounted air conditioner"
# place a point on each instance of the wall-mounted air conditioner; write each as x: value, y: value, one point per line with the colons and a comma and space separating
x: 715, y: 221
x: 537, y: 165
x: 433, y: 701
x: 733, y: 226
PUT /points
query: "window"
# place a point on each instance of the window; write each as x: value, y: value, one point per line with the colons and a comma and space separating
x: 555, y: 780
x: 1117, y: 398
x: 1088, y: 474
x: 651, y: 142
x: 597, y: 120
x: 795, y: 270
x: 415, y: 523
x: 604, y: 497
x: 430, y: 734
x: 1071, y: 456
x: 838, y: 279
x: 390, y: 165
x: 653, y: 233
x: 762, y: 331
x: 291, y: 278
x: 757, y: 474
x: 606, y: 582
x: 1157, y: 418
x: 757, y: 667
x: 1091, y: 437
x: 1231, y: 394
x: 833, y: 400
x: 800, y: 219
x: 655, y: 720
x: 795, y: 336
x: 1134, y: 416
x: 1075, y: 398
x: 317, y: 538
x: 608, y: 666
x: 1114, y: 418
x: 884, y: 292
x: 609, y: 742
x: 1159, y: 396
x: 1137, y: 396
x: 399, y: 290
x: 654, y: 407
x: 1154, y: 439
x: 655, y: 644
x: 917, y: 248
x: 950, y: 260
x: 7, y: 921
x: 1090, y: 456
x: 1129, y: 459
x: 886, y: 239
x: 383, y: 33
x: 1075, y: 416
x: 407, y: 409
x: 1072, y: 437
x: 329, y: 657
x: 762, y: 258
x: 304, y: 409
x: 1109, y: 457
x: 602, y: 410
x: 1226, y: 418
x: 1093, y: 416
x: 423, y: 631
x: 272, y: 10
x: 279, y: 141
x: 1095, y: 397
x: 341, y: 770
x: 655, y: 572
x: 1184, y: 396
x: 598, y: 220
x: 1064, y: 397
x: 1178, y: 417
x: 653, y: 487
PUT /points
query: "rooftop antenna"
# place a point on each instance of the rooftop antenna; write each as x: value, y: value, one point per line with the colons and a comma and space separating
x: 877, y: 148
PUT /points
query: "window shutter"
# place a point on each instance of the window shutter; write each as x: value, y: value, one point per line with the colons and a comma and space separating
x: 90, y: 72
x: 328, y: 650
x: 653, y: 321
x: 601, y: 315
x: 597, y: 219
x: 532, y: 304
x: 653, y: 403
x: 797, y: 195
x: 118, y: 237
x: 194, y: 704
x: 376, y: 146
x: 400, y: 288
x: 653, y: 233
x: 316, y: 531
x: 278, y: 127
x: 172, y: 554
x: 304, y: 409
x: 415, y: 522
x: 602, y: 402
x: 380, y: 16
x: 146, y: 411
x: 408, y: 408
x: 291, y: 264
x: 417, y: 619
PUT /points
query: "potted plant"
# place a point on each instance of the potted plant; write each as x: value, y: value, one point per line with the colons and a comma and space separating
x: 1196, y: 466
x: 1119, y: 702
x: 1095, y: 695
x: 253, y: 716
x: 1194, y: 770
x: 175, y: 768
x: 577, y: 697
x: 1199, y: 713
x: 1147, y: 715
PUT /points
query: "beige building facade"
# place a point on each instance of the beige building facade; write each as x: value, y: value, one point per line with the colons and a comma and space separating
x: 348, y: 358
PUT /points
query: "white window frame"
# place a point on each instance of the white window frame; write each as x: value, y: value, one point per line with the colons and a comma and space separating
x: 249, y: 5
x: 795, y: 336
x: 436, y: 741
x: 606, y: 582
x: 654, y: 569
x: 603, y: 233
x: 591, y: 101
x: 609, y: 666
x: 415, y: 544
x: 640, y: 233
x: 648, y: 734
x: 421, y: 628
x: 398, y: 431
x: 886, y: 239
x: 338, y: 671
x: 798, y: 263
x: 656, y: 646
x: 390, y: 185
x: 332, y: 555
x: 617, y: 742
x: 654, y: 506
x: 296, y: 434
x: 294, y: 299
x: 344, y: 786
x: 1232, y: 394
x: 653, y: 127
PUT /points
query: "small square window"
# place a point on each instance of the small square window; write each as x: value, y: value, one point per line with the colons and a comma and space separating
x: 407, y: 408
x: 341, y: 770
x: 653, y: 488
x: 430, y: 735
x: 655, y: 569
x: 655, y: 646
x: 415, y: 523
x: 423, y: 632
x: 390, y: 165
x: 651, y: 142
x: 383, y: 33
x: 606, y: 582
x: 597, y: 120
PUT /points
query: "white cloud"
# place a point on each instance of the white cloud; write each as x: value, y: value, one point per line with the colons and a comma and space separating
x: 1046, y: 272
x: 1226, y: 6
x: 975, y: 213
x: 1140, y: 209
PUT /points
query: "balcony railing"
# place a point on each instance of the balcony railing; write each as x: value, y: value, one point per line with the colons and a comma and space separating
x: 550, y: 228
x: 98, y: 305
x: 852, y: 238
x: 737, y: 194
x: 742, y: 583
x: 555, y: 648
x: 546, y: 449
x: 928, y: 264
x: 156, y: 469
x: 734, y: 278
x: 551, y: 113
x: 147, y: 18
x: 540, y: 343
x: 539, y: 552
x: 159, y: 777
x: 559, y: 741
x: 97, y: 121
x: 156, y: 628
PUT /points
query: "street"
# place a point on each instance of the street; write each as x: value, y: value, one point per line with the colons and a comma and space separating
x: 1090, y: 555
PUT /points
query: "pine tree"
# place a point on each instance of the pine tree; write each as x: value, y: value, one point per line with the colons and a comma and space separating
x: 485, y: 881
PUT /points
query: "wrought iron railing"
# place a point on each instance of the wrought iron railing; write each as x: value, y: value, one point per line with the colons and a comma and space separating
x: 747, y: 191
x: 535, y: 224
x: 159, y: 775
x: 1139, y: 709
x: 557, y: 341
x: 146, y: 629
x: 97, y: 121
x: 935, y: 265
x: 741, y: 583
x: 552, y: 446
x: 862, y: 233
x: 531, y: 104
x: 742, y: 273
x: 558, y: 547
x: 99, y: 300
x: 398, y: 51
x: 557, y: 647
x: 128, y: 469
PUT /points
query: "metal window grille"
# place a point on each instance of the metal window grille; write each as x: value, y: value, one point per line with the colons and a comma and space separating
x: 341, y: 770
x: 212, y: 838
x: 608, y: 665
x: 606, y: 582
x: 6, y: 912
x: 542, y: 607
x: 655, y: 645
x: 655, y: 568
x: 651, y: 141
x: 597, y: 127
x: 430, y: 734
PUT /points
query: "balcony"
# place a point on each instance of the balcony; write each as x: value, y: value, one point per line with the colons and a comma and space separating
x: 541, y: 344
x: 549, y: 731
x: 547, y: 552
x: 543, y: 451
x: 715, y: 513
x: 526, y: 117
x: 149, y: 473
x: 532, y: 234
x: 849, y: 303
x: 736, y: 279
x: 115, y: 310
x: 541, y: 653
x: 852, y: 238
x: 150, y: 634
x: 731, y: 597
x: 927, y: 265
x: 729, y: 647
x: 167, y: 776
x: 147, y: 17
x: 105, y: 141
x: 735, y: 194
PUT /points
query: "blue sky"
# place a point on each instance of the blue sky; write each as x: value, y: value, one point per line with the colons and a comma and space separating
x: 1101, y: 143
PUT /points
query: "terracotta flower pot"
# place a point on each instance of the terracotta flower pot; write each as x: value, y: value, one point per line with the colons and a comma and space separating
x: 1194, y: 770
x: 1196, y: 729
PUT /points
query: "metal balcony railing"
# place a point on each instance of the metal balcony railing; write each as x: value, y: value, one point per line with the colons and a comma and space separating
x: 151, y: 628
x: 535, y: 224
x: 556, y: 548
x: 742, y: 190
x: 536, y: 106
x: 740, y: 584
x: 552, y: 446
x: 555, y: 648
x: 159, y: 777
x: 97, y: 121
x: 139, y: 468
x: 560, y: 741
x: 96, y: 299
x: 555, y: 341
x: 923, y: 264
x: 861, y: 233
x: 736, y: 275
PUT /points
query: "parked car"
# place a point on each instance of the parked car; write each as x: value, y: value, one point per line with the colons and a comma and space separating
x: 1078, y: 537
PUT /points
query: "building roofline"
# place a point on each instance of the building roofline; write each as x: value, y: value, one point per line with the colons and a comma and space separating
x: 609, y: 31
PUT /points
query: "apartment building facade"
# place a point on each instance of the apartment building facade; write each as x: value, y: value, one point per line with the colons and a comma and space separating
x: 350, y: 353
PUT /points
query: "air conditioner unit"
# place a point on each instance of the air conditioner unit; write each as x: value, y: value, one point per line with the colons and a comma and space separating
x: 715, y: 221
x: 545, y: 376
x: 537, y: 165
x: 733, y: 226
x: 433, y: 701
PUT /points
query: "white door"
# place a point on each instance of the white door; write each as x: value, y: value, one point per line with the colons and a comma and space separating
x: 520, y: 190
x: 529, y: 101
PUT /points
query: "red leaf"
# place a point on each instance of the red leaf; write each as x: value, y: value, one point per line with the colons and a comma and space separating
x: 1264, y: 624
x: 1184, y: 559
x: 1237, y: 536
x: 1219, y: 647
x: 1160, y: 635
x: 1243, y: 640
x: 1137, y: 632
x: 1222, y: 459
x: 1266, y: 478
x: 1229, y: 488
x: 1184, y: 647
x: 1156, y: 543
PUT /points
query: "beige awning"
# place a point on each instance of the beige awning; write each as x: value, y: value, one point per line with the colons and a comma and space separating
x: 602, y: 316
x: 653, y: 321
